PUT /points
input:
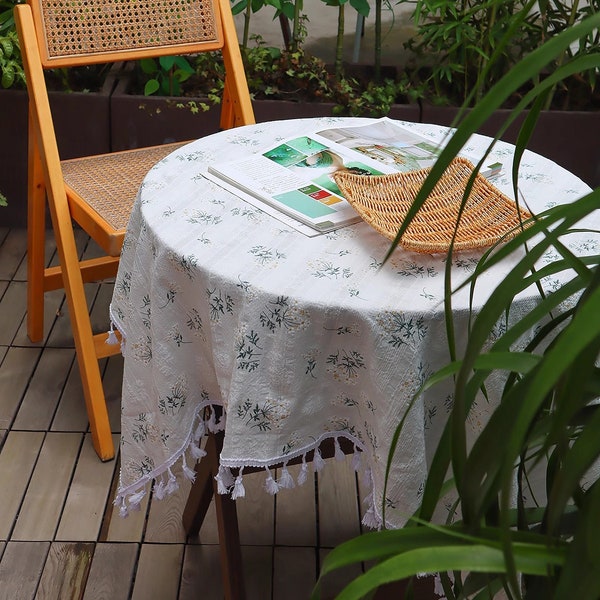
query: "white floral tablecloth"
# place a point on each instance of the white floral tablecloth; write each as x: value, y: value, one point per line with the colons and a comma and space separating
x: 299, y: 339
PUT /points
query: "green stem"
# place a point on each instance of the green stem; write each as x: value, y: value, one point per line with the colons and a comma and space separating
x: 296, y: 28
x: 339, y: 45
x: 378, y: 6
x: 246, y: 25
x: 561, y: 59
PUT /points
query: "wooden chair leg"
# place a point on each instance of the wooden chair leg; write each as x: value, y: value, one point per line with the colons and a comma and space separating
x: 36, y: 232
x: 95, y: 402
x: 87, y: 357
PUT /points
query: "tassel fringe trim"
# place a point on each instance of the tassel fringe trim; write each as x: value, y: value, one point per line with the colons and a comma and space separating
x: 165, y: 483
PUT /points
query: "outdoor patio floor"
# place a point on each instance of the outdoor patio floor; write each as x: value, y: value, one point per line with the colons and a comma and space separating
x: 59, y: 535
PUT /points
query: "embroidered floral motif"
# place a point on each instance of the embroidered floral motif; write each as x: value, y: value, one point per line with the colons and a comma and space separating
x: 219, y: 303
x: 248, y: 351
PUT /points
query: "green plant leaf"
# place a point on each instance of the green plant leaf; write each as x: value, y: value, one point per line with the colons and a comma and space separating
x: 477, y: 558
x: 148, y: 66
x: 152, y: 86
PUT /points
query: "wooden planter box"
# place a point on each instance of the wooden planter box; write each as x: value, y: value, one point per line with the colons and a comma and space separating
x: 138, y: 121
x: 82, y: 123
x: 569, y: 138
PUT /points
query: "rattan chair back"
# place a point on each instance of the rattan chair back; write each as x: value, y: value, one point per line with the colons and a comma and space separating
x: 81, y: 32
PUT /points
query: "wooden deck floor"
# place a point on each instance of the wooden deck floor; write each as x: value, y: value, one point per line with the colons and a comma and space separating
x: 59, y: 536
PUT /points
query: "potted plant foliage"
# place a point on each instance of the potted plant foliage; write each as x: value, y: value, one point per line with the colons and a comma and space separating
x: 453, y: 46
x: 548, y: 416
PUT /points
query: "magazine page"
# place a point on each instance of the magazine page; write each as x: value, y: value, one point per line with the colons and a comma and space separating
x: 386, y: 142
x: 394, y: 145
x: 295, y: 176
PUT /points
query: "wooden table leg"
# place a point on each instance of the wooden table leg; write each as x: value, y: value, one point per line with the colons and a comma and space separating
x: 202, y: 492
x: 202, y: 489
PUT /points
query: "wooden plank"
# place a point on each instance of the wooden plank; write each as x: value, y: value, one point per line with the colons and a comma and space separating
x: 295, y: 523
x: 335, y: 582
x: 12, y: 252
x: 52, y: 306
x: 12, y: 310
x: 99, y: 315
x: 44, y: 391
x: 66, y: 570
x: 256, y: 512
x: 17, y: 460
x: 61, y: 335
x: 112, y: 381
x: 158, y: 572
x: 71, y: 414
x: 17, y: 367
x: 209, y: 533
x: 164, y: 519
x: 338, y: 504
x: 294, y: 572
x: 20, y: 569
x: 88, y: 493
x: 112, y: 571
x: 45, y: 496
x: 118, y: 529
x: 257, y: 562
x: 201, y: 574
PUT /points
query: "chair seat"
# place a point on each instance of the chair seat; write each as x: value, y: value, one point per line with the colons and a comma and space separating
x: 108, y: 184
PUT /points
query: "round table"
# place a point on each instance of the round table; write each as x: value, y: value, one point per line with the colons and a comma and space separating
x: 297, y: 338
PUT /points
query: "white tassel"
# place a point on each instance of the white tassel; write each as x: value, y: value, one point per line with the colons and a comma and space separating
x: 212, y: 421
x: 339, y: 455
x: 238, y: 487
x: 356, y: 459
x: 172, y: 485
x: 200, y: 431
x: 159, y: 490
x: 136, y: 499
x: 318, y: 462
x: 370, y: 520
x: 367, y: 477
x: 286, y: 480
x: 224, y: 479
x: 189, y: 473
x: 270, y: 484
x: 303, y: 475
x: 196, y: 451
x: 123, y: 512
x: 111, y: 336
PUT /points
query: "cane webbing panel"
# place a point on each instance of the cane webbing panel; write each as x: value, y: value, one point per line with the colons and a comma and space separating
x: 83, y: 27
x: 384, y: 200
x: 109, y: 183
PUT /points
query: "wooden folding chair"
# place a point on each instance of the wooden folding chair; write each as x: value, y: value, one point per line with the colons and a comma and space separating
x: 97, y: 192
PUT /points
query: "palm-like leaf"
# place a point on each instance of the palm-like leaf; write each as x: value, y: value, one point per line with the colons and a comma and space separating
x: 547, y: 417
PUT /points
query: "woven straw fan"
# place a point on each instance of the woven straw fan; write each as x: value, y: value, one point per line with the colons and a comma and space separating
x: 384, y: 200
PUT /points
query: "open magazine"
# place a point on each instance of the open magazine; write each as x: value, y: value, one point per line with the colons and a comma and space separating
x: 294, y: 177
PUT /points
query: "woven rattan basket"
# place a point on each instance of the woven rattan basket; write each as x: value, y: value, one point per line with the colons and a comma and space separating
x: 383, y: 202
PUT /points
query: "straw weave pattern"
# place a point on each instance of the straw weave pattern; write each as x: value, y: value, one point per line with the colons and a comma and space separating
x: 76, y: 27
x: 109, y: 183
x: 384, y: 200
